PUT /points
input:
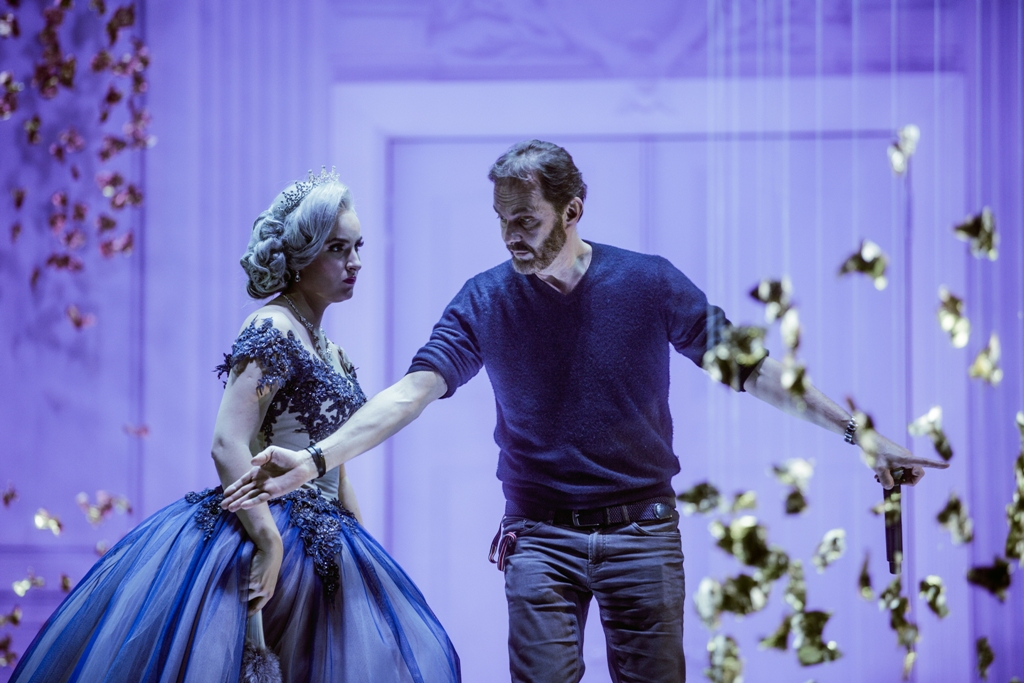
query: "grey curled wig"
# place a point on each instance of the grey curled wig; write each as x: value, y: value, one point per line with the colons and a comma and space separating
x: 283, y: 243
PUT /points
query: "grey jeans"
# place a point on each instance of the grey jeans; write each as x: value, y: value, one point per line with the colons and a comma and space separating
x: 636, y: 573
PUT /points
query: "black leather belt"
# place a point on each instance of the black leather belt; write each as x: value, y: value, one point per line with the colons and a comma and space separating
x: 591, y: 518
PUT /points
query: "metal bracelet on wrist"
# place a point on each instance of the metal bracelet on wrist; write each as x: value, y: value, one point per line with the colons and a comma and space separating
x: 851, y: 429
x: 318, y: 459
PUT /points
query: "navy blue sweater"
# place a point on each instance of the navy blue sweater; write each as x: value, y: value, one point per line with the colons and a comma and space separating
x: 580, y: 380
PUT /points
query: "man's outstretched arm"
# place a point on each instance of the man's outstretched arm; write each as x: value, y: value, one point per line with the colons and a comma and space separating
x: 276, y: 470
x: 765, y: 383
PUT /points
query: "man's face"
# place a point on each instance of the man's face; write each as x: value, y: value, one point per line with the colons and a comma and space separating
x: 533, y: 232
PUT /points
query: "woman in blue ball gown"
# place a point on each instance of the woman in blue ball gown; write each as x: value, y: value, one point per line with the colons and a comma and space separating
x: 295, y: 590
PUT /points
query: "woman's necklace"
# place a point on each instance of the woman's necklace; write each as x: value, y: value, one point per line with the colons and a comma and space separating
x: 314, y: 335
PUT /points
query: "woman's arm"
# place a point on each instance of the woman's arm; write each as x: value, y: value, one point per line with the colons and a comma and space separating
x: 242, y: 409
x: 347, y: 494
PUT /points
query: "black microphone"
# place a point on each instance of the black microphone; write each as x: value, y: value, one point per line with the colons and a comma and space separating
x: 894, y: 523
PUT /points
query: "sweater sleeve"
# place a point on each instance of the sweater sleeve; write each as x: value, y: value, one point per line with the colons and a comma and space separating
x: 694, y: 324
x: 452, y: 349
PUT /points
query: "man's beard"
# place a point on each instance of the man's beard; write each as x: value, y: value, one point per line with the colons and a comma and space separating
x: 544, y: 255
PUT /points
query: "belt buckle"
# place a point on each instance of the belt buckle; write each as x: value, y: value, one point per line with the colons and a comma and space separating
x: 583, y: 525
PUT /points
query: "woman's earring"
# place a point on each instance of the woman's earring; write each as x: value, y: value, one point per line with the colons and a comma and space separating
x: 298, y: 276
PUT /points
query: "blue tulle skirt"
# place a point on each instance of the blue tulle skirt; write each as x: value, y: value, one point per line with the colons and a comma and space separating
x: 168, y: 603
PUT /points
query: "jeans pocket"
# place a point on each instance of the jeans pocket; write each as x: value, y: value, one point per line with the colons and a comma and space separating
x: 520, y: 526
x: 661, y: 528
x: 509, y: 532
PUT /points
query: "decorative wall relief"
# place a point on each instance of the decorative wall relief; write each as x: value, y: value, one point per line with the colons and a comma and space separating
x: 505, y: 39
x: 643, y: 40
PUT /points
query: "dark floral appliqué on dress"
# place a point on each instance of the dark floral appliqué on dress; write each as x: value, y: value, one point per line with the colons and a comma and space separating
x: 320, y: 521
x: 321, y: 399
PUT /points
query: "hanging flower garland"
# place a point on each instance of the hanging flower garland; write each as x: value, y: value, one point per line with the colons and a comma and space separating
x: 71, y: 129
x: 80, y: 122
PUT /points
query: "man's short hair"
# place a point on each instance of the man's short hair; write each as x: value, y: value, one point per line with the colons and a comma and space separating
x: 545, y: 163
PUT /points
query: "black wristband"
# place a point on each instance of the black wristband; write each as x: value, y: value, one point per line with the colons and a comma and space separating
x: 851, y: 428
x: 318, y: 459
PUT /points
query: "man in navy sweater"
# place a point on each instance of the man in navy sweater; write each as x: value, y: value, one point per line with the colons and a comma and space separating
x: 575, y: 336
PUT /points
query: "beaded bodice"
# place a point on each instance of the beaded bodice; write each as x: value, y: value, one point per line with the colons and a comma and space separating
x: 311, y: 401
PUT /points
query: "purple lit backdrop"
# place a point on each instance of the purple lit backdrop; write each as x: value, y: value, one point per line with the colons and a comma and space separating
x: 740, y: 140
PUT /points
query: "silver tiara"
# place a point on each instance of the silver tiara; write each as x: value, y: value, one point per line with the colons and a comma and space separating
x: 294, y: 196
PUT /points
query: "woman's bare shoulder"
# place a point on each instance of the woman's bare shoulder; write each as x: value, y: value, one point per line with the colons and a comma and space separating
x: 277, y: 315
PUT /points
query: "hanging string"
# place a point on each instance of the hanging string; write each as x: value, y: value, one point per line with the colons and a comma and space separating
x: 714, y: 466
x: 855, y: 180
x: 759, y: 138
x: 993, y: 130
x: 974, y: 125
x: 1020, y: 199
x: 819, y: 222
x: 908, y: 507
x: 785, y: 137
x: 735, y: 287
x: 936, y: 134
